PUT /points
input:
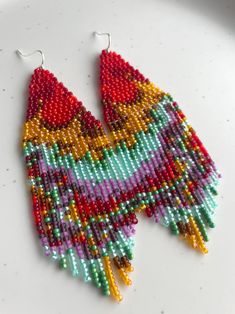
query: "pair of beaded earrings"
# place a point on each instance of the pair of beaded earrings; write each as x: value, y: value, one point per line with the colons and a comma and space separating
x: 87, y: 186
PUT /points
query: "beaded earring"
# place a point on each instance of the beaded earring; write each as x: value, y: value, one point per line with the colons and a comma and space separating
x: 82, y: 212
x: 86, y: 187
x: 172, y: 177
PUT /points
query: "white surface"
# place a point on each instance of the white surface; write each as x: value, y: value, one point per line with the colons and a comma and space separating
x: 187, y: 47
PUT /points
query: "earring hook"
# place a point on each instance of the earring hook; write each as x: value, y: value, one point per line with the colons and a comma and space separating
x: 109, y: 38
x: 25, y: 55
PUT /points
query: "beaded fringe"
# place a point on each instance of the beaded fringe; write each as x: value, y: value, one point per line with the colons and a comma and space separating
x: 87, y: 186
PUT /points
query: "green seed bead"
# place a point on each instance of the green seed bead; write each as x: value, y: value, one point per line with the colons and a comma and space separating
x: 202, y: 228
x: 56, y: 230
x: 128, y: 252
x: 106, y: 292
x: 213, y: 191
x: 47, y: 219
x: 174, y: 228
x: 207, y: 217
x: 63, y: 263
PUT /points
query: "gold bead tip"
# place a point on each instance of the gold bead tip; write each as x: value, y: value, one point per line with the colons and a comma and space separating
x: 196, y: 240
x: 129, y: 269
x: 117, y: 297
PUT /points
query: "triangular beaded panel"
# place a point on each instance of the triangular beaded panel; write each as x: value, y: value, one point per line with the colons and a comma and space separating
x: 175, y: 178
x: 82, y: 211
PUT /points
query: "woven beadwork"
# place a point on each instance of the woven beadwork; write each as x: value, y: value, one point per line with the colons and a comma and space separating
x: 172, y: 174
x: 87, y: 186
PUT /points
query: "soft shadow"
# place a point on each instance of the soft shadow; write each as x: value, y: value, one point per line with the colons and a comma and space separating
x: 220, y: 11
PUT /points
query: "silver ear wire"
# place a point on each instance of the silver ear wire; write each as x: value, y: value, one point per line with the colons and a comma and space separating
x: 25, y: 55
x: 109, y: 38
